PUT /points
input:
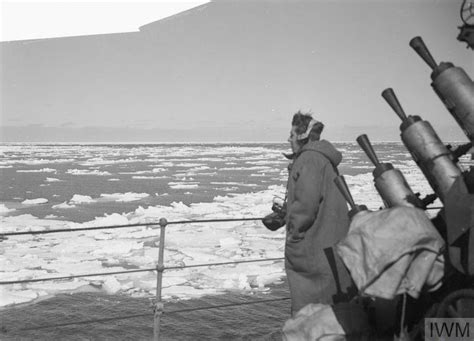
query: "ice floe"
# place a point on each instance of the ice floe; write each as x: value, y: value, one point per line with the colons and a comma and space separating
x: 80, y: 199
x: 5, y: 210
x: 87, y: 172
x: 124, y: 197
x: 53, y: 180
x: 42, y: 170
x: 183, y: 185
x: 35, y: 201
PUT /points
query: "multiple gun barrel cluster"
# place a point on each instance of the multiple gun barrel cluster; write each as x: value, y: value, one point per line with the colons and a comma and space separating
x: 453, y: 185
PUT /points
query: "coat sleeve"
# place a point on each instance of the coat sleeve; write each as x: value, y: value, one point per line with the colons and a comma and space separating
x: 307, y: 195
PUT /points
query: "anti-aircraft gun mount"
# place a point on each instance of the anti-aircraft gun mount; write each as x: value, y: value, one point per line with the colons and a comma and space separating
x: 390, y: 182
x: 453, y: 186
x: 439, y: 166
x: 456, y: 90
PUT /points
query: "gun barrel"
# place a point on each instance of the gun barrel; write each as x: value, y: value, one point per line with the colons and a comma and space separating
x: 342, y: 185
x: 389, y: 95
x: 419, y: 46
x: 365, y: 144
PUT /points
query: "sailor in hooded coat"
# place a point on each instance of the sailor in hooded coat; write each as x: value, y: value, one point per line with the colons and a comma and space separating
x: 317, y: 218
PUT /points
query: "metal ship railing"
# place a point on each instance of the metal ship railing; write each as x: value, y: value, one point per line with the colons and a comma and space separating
x: 160, y: 268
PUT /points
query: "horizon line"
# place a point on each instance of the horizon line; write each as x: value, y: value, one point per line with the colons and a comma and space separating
x: 180, y: 142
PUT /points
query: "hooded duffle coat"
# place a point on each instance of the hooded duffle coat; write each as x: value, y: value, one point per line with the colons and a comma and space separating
x: 317, y: 218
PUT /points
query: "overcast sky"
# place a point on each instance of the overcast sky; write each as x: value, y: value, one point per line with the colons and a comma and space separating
x: 223, y: 71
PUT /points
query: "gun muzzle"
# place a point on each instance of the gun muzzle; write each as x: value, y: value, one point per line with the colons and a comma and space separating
x: 364, y: 143
x: 419, y: 46
x: 392, y: 100
x: 344, y: 189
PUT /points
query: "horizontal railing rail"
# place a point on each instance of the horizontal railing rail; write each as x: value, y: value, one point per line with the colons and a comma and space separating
x: 33, y: 280
x: 79, y: 229
x: 177, y: 267
x: 93, y: 228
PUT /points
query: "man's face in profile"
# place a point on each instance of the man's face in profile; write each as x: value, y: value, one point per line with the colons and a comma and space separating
x: 295, y: 146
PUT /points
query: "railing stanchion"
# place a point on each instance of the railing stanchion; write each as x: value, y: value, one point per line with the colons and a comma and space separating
x: 159, y: 282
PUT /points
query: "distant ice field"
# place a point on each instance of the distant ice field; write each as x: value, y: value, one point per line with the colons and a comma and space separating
x: 47, y: 179
x: 166, y: 173
x: 52, y: 186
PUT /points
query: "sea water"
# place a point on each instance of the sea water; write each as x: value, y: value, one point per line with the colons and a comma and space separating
x: 68, y: 186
